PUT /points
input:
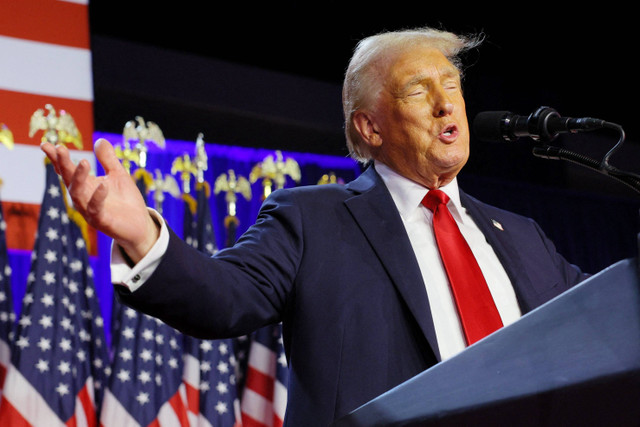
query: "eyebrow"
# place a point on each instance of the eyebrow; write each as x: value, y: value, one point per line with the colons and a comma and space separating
x: 446, y: 73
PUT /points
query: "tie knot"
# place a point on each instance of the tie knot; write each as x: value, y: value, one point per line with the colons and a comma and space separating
x: 434, y: 198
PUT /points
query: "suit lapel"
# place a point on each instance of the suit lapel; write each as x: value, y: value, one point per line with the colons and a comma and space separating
x: 377, y: 216
x: 505, y: 249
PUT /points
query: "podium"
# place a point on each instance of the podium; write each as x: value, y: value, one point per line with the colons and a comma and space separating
x: 574, y: 361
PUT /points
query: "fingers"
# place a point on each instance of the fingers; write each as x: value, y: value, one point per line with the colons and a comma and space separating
x: 80, y: 187
x: 63, y: 164
x: 95, y: 204
x: 106, y: 155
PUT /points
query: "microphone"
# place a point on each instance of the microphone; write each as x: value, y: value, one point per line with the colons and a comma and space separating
x: 543, y: 125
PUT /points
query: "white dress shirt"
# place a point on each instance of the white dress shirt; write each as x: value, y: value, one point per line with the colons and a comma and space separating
x: 417, y: 219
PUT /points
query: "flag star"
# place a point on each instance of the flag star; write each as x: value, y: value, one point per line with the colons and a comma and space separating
x: 158, y: 380
x: 88, y: 292
x: 81, y: 355
x: 159, y: 339
x: 173, y: 343
x: 47, y: 300
x: 173, y: 363
x: 49, y: 277
x: 80, y: 243
x: 98, y: 363
x: 84, y: 335
x: 205, y: 366
x: 221, y: 408
x: 62, y: 389
x: 144, y: 377
x: 52, y: 234
x: 51, y: 256
x: 128, y: 333
x: 206, y: 346
x: 65, y: 344
x: 64, y: 367
x: 282, y: 360
x: 23, y: 342
x: 76, y: 265
x: 222, y: 387
x: 142, y: 398
x: 130, y: 313
x: 123, y: 375
x: 159, y: 359
x: 25, y: 321
x: 66, y: 324
x: 54, y: 191
x: 44, y: 344
x: 53, y: 212
x: 223, y: 368
x: 223, y: 348
x: 147, y: 334
x: 125, y: 354
x: 146, y: 355
x: 42, y: 366
x: 73, y: 286
x: 204, y: 386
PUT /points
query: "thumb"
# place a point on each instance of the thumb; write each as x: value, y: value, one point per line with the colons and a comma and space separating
x: 106, y: 155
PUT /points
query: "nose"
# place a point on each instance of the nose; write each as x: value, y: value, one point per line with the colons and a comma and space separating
x: 442, y: 105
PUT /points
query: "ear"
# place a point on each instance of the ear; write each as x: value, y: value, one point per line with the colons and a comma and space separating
x: 366, y: 126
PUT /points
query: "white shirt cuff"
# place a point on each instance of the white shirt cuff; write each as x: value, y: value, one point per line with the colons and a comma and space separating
x: 133, y: 277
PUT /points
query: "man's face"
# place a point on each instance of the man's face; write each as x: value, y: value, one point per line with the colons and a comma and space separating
x: 420, y: 118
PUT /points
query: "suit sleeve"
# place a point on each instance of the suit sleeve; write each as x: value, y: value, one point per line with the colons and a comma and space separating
x: 238, y: 290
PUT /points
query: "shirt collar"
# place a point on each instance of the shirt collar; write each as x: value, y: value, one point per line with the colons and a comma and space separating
x: 408, y: 194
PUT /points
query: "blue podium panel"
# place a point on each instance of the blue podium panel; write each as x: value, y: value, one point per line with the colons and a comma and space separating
x: 574, y: 361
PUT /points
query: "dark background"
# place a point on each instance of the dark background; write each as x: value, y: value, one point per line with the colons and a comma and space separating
x: 270, y: 76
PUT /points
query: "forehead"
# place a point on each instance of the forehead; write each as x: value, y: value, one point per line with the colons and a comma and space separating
x: 419, y: 62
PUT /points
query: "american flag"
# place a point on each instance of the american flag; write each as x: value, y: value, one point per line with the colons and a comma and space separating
x: 59, y: 358
x: 146, y: 385
x: 7, y: 315
x: 264, y: 398
x: 210, y: 368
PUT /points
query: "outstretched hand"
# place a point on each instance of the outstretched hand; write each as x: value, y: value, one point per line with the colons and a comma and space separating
x: 111, y: 203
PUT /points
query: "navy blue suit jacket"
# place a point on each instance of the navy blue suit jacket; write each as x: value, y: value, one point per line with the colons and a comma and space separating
x: 334, y: 264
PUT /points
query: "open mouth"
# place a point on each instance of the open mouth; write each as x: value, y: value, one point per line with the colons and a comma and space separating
x: 449, y: 133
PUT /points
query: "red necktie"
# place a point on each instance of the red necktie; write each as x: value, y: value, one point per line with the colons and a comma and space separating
x: 476, y: 308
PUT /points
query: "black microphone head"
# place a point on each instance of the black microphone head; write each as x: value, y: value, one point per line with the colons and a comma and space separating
x: 489, y: 126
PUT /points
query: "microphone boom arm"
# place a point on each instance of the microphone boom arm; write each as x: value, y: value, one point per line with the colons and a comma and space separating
x: 604, y: 167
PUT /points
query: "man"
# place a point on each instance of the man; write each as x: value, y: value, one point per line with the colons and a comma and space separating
x: 353, y: 271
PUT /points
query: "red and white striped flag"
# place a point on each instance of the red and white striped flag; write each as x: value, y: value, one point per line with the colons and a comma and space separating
x: 45, y: 59
x: 264, y: 398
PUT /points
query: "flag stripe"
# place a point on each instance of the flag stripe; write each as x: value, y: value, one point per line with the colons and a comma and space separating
x: 23, y: 105
x: 280, y: 402
x: 12, y: 415
x: 256, y: 409
x: 45, y: 69
x: 86, y: 403
x: 25, y: 399
x: 262, y: 358
x: 117, y: 415
x: 46, y: 21
x: 191, y: 378
x: 260, y: 383
x: 179, y: 410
